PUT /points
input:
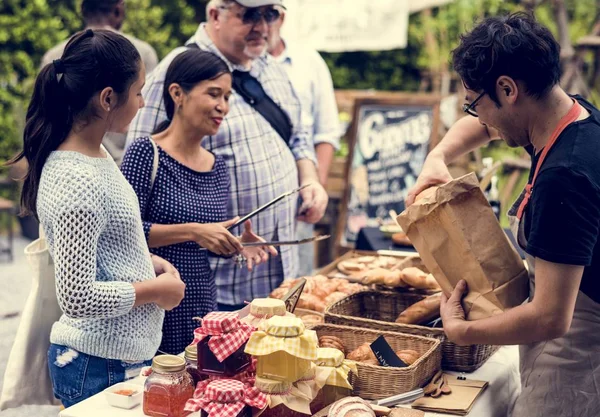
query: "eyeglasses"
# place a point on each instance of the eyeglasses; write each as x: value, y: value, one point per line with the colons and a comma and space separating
x: 253, y: 16
x: 470, y: 108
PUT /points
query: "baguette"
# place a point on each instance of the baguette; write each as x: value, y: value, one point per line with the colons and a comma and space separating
x: 418, y: 279
x: 421, y: 312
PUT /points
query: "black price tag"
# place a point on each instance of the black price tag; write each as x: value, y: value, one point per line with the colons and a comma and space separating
x: 385, y: 354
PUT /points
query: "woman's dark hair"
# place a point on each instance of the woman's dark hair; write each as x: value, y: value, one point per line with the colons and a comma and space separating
x: 188, y: 69
x: 62, y: 97
x: 516, y: 46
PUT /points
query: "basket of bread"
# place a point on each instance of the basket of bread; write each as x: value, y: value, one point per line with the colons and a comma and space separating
x: 410, y: 313
x: 422, y: 356
x: 319, y: 291
x: 405, y: 272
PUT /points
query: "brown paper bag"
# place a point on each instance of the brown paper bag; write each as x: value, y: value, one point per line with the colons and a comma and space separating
x: 458, y: 237
x: 460, y: 401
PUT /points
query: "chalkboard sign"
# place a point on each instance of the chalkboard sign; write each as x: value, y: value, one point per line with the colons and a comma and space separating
x: 389, y: 141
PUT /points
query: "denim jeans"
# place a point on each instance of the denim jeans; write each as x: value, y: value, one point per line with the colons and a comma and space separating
x: 77, y: 376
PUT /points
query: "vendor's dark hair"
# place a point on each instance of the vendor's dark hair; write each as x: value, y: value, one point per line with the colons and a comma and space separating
x: 516, y: 46
x: 188, y: 69
x: 63, y: 93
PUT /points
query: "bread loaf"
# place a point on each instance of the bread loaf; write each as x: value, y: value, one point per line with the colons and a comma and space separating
x: 421, y: 312
x: 279, y: 292
x: 348, y: 267
x: 312, y: 319
x: 351, y: 407
x: 334, y: 297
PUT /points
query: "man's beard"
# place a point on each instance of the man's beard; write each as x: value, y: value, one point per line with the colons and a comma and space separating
x: 254, y: 52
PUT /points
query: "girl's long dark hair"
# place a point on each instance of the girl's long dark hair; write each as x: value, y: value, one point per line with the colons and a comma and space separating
x: 62, y: 97
x: 188, y: 69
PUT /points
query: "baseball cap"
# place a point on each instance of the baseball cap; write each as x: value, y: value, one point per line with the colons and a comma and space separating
x: 259, y: 3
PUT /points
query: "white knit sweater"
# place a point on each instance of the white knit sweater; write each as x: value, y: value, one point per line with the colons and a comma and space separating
x: 91, y: 218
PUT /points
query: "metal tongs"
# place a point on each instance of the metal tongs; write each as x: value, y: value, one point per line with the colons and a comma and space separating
x: 266, y: 206
x: 287, y: 242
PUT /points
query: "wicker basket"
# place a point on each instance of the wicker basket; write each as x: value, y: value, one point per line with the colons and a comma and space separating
x: 376, y: 382
x: 379, y: 310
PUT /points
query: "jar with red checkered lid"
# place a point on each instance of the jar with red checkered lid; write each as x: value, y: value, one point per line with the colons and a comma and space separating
x: 228, y: 398
x: 220, y: 344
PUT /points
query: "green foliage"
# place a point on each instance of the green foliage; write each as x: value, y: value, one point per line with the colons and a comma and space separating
x: 29, y: 28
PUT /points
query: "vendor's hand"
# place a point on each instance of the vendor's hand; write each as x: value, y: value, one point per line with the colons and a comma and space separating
x: 162, y: 266
x: 256, y: 254
x: 169, y: 291
x: 453, y: 315
x: 314, y: 203
x: 434, y: 172
x: 216, y: 238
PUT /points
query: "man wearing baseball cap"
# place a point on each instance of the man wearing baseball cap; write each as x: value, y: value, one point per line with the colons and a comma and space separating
x: 267, y: 149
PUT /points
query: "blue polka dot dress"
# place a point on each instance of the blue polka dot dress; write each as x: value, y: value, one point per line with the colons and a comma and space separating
x: 180, y: 195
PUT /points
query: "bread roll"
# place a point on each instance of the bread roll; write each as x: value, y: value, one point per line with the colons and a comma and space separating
x: 312, y: 319
x: 334, y: 297
x: 320, y: 291
x: 373, y: 362
x: 311, y: 302
x: 279, y: 292
x: 421, y: 312
x: 332, y: 342
x: 348, y: 267
x: 362, y: 353
x: 365, y: 259
x: 408, y: 356
x: 394, y: 279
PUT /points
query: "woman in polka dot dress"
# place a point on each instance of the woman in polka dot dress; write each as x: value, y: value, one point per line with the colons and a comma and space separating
x: 185, y: 209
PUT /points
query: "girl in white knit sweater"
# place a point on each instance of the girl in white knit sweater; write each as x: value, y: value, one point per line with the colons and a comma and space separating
x: 112, y: 293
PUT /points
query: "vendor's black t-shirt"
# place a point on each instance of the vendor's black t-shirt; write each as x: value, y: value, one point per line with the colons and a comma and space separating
x: 562, y: 219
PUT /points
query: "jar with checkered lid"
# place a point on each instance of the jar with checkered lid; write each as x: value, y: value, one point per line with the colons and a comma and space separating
x: 332, y: 366
x: 226, y: 398
x: 284, y: 348
x: 168, y: 388
x: 221, y: 341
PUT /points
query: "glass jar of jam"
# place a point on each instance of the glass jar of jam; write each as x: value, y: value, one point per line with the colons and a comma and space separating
x: 168, y: 388
x: 331, y: 363
x: 228, y: 397
x: 262, y: 309
x: 221, y: 343
x: 191, y: 359
x: 285, y: 399
x: 284, y: 349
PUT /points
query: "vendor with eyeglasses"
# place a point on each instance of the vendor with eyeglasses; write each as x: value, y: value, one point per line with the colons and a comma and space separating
x: 267, y: 153
x: 510, y: 69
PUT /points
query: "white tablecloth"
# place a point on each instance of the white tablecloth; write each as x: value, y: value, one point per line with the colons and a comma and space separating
x: 501, y: 371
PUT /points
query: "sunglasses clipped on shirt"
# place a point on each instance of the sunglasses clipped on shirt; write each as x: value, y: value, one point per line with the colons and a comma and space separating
x: 253, y: 15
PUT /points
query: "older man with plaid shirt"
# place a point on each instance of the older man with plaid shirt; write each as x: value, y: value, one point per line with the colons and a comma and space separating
x: 261, y: 164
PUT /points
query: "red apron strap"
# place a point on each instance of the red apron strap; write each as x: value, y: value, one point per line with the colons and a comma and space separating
x: 567, y: 119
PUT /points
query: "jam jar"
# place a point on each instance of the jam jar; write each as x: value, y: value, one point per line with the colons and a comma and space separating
x: 227, y: 397
x: 221, y: 343
x: 283, y: 348
x: 331, y: 362
x: 285, y: 399
x: 262, y: 309
x: 168, y: 388
x: 191, y: 359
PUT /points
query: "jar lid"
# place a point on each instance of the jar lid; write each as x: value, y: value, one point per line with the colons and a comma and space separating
x: 329, y: 357
x: 225, y: 391
x: 168, y: 363
x: 267, y: 307
x: 283, y: 326
x: 218, y: 323
x: 191, y: 352
x: 273, y: 387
